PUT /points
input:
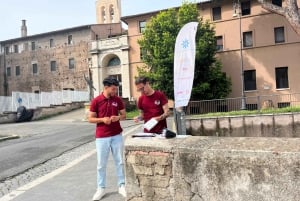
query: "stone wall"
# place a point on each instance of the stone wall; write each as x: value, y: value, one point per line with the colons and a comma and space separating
x: 46, y: 79
x: 264, y: 125
x: 212, y: 169
x: 44, y: 112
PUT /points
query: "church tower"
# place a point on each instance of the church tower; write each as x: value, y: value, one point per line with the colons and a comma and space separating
x: 108, y: 11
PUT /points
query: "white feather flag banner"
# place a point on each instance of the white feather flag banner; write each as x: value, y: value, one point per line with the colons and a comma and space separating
x: 184, y: 63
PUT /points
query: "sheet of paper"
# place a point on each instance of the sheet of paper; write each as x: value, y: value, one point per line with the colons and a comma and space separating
x: 150, y: 124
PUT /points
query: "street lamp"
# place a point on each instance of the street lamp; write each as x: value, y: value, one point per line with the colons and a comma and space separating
x: 238, y: 13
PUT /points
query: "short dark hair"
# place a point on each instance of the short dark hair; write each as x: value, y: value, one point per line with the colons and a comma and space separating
x: 141, y: 80
x: 110, y: 81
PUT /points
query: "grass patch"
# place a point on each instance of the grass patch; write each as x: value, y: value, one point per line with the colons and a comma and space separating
x: 131, y: 114
x: 251, y: 112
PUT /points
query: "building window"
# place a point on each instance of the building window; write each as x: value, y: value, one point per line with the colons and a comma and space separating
x: 252, y: 106
x: 247, y: 39
x: 6, y: 50
x: 16, y: 49
x: 219, y: 41
x: 18, y: 70
x: 250, y: 80
x: 53, y: 65
x: 277, y: 2
x: 246, y: 8
x: 103, y: 14
x: 112, y: 13
x: 70, y: 40
x: 279, y: 34
x: 283, y: 104
x: 34, y: 69
x: 32, y: 46
x: 25, y: 45
x: 51, y: 42
x: 119, y: 78
x: 282, y: 80
x: 216, y: 13
x: 114, y: 62
x: 8, y: 71
x: 142, y: 26
x: 71, y: 63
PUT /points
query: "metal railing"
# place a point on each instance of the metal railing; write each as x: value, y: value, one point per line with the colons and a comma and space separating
x: 43, y: 99
x: 235, y: 104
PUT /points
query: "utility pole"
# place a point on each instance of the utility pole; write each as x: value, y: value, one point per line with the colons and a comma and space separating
x: 238, y: 6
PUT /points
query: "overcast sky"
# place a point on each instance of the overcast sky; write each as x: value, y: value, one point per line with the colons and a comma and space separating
x: 50, y: 15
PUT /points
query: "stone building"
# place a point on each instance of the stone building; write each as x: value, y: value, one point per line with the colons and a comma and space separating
x: 59, y: 59
x: 51, y: 61
x: 110, y: 56
x: 269, y: 49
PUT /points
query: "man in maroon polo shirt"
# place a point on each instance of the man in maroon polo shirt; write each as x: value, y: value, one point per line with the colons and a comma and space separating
x: 152, y: 104
x: 106, y: 111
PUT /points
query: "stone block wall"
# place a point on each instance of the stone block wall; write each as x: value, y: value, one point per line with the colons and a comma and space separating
x: 199, y: 168
x: 152, y: 171
x: 267, y: 125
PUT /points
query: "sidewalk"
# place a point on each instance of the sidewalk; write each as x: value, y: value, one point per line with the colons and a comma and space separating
x: 76, y: 183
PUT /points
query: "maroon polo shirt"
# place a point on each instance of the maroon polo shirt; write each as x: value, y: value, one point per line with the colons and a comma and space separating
x: 106, y: 107
x: 152, y: 106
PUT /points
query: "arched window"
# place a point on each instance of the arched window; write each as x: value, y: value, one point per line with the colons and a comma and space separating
x: 103, y: 13
x: 114, y: 62
x: 111, y: 12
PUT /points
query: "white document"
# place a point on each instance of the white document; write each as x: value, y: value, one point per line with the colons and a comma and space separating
x: 150, y: 124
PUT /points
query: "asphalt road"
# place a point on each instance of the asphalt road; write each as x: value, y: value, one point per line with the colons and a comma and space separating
x: 43, y: 140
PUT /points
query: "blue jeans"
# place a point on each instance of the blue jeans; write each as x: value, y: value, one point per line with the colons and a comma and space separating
x: 103, y: 146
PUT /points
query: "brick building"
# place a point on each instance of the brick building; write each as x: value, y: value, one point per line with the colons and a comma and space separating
x: 269, y: 49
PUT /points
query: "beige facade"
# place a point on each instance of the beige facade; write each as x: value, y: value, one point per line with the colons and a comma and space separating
x: 270, y: 60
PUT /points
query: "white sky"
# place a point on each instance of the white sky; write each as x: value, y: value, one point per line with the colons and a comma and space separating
x: 50, y: 15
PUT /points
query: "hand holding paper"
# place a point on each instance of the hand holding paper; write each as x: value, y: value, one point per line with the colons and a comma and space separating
x: 150, y: 124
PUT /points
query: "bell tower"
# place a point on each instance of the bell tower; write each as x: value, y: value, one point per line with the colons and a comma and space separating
x: 108, y: 11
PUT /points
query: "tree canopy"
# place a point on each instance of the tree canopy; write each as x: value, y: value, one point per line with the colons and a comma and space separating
x: 289, y: 10
x: 157, y: 46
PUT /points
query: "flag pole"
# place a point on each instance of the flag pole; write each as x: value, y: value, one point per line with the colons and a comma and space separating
x: 180, y: 121
x: 184, y: 65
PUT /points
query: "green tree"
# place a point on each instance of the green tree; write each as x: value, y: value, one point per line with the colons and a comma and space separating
x: 158, y: 44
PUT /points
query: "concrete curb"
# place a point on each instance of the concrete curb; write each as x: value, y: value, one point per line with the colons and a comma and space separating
x: 3, y: 138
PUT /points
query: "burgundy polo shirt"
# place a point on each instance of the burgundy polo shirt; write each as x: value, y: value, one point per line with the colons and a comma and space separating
x: 152, y: 106
x: 106, y: 107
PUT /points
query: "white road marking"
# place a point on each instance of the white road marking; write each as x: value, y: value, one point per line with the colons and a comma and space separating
x: 12, y: 195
